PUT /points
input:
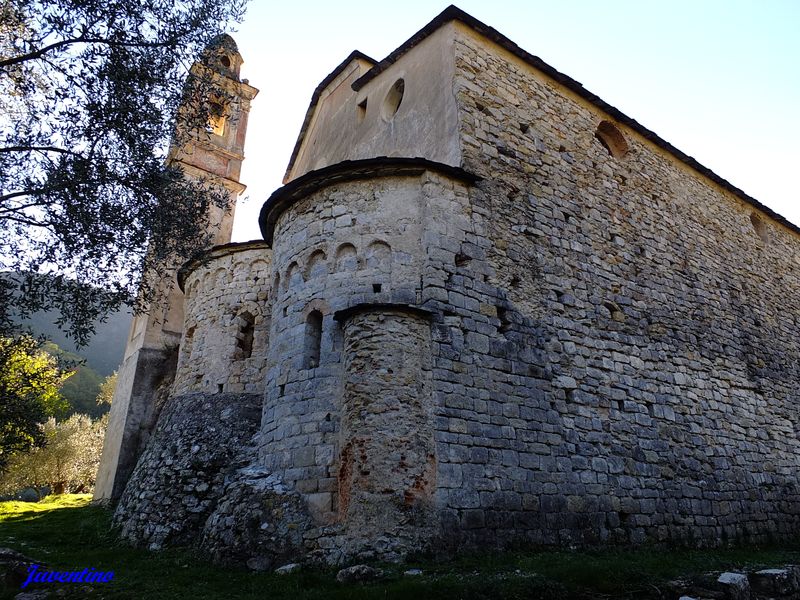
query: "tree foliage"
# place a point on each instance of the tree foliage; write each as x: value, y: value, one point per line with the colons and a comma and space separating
x: 29, y: 392
x: 107, y: 387
x: 67, y: 462
x: 89, y: 99
x: 82, y: 387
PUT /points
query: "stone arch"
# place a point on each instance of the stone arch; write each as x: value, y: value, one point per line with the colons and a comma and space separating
x: 258, y: 271
x: 379, y: 256
x: 346, y: 258
x: 207, y: 282
x: 294, y: 275
x: 190, y: 288
x: 313, y: 319
x: 218, y: 112
x: 612, y: 139
x: 262, y: 320
x: 222, y: 278
x: 316, y: 265
x: 258, y: 267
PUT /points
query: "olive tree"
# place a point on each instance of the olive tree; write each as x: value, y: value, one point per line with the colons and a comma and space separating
x: 90, y: 92
x: 29, y: 393
x: 67, y: 461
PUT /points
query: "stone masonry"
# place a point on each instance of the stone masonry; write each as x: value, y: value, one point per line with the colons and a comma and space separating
x: 227, y: 318
x: 544, y: 326
x: 213, y: 155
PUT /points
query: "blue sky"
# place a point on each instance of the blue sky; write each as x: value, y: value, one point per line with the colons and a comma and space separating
x: 720, y: 80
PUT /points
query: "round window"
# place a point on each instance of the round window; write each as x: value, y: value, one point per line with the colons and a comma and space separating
x: 391, y: 104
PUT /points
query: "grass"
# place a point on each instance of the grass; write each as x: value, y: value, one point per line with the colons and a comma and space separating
x: 68, y: 533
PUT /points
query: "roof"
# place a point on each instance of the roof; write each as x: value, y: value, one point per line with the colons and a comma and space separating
x: 453, y: 13
x: 223, y: 42
x: 346, y: 313
x: 202, y: 258
x: 354, y: 55
x: 348, y: 170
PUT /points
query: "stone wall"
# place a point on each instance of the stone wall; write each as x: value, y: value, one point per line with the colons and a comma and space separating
x: 586, y: 343
x: 200, y: 443
x: 226, y: 334
x: 347, y: 244
x: 387, y: 461
x: 618, y: 357
x: 350, y: 125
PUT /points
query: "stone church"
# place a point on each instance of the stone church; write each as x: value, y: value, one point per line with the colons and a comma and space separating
x: 488, y: 309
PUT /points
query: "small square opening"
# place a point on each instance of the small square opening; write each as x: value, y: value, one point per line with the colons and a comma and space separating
x: 361, y: 110
x: 376, y: 288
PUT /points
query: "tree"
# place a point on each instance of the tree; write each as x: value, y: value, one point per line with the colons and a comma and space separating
x: 67, y: 462
x: 107, y: 387
x: 80, y: 390
x: 89, y: 98
x: 29, y: 382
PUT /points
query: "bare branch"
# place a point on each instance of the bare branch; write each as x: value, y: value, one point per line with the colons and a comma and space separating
x: 21, y: 207
x: 46, y: 224
x: 33, y: 192
x: 43, y: 149
x: 39, y: 53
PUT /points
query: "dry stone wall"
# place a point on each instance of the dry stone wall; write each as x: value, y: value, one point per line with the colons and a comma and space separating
x: 228, y: 310
x: 200, y: 443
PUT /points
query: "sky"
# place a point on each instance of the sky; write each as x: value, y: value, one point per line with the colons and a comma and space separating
x: 720, y: 80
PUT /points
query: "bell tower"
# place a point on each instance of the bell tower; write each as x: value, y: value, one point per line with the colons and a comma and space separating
x: 214, y: 151
x: 211, y: 151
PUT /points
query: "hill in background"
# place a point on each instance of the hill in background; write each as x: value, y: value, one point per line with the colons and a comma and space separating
x: 104, y: 351
x: 91, y: 363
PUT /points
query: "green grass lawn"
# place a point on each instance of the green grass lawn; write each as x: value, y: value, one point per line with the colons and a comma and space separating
x: 68, y: 533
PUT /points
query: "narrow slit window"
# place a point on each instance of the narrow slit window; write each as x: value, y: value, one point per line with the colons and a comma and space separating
x: 244, y: 337
x: 188, y: 340
x: 361, y: 110
x: 313, y: 339
x: 759, y: 227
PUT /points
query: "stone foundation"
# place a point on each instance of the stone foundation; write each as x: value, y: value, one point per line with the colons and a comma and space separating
x: 257, y: 522
x: 199, y: 444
